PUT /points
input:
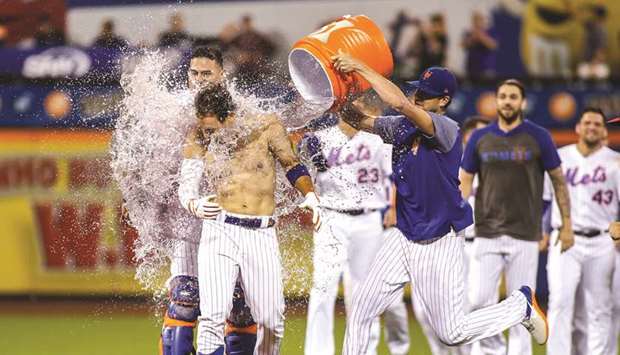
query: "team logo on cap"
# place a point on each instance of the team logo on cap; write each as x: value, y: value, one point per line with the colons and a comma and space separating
x: 427, y: 74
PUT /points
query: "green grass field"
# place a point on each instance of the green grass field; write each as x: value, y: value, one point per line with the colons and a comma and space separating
x: 127, y: 334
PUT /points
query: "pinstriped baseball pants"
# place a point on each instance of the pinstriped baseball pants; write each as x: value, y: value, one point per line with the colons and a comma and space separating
x: 227, y: 251
x: 435, y: 270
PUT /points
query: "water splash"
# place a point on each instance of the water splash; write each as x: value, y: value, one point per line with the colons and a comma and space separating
x: 146, y: 148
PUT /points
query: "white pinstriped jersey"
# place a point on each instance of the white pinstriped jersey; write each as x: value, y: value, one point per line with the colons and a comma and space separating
x: 358, y: 173
x: 594, y: 186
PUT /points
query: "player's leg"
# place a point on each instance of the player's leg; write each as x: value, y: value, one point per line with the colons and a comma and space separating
x: 240, y: 330
x: 564, y: 271
x: 437, y: 272
x: 387, y: 276
x: 177, y: 337
x: 486, y: 263
x: 596, y: 283
x: 365, y: 237
x: 436, y: 346
x: 218, y: 270
x: 329, y: 257
x: 615, y: 314
x: 261, y: 276
x: 396, y: 323
x: 580, y: 324
x: 521, y: 269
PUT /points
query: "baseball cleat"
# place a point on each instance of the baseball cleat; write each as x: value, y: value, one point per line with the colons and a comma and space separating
x: 535, y: 321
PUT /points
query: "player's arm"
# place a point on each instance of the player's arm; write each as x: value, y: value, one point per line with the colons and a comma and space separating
x: 562, y: 198
x: 192, y: 168
x: 282, y: 148
x: 467, y: 183
x: 387, y: 91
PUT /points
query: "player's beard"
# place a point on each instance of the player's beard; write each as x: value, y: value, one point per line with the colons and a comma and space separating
x: 510, y: 118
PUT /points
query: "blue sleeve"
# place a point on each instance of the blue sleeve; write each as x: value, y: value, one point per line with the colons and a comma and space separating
x: 386, y: 126
x: 471, y: 161
x: 446, y: 131
x: 548, y: 152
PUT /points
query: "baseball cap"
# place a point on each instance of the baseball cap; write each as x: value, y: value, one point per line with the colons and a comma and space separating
x: 435, y: 81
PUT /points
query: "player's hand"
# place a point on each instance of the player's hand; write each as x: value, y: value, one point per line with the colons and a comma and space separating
x: 345, y: 63
x: 614, y: 231
x: 205, y: 207
x: 312, y: 203
x: 566, y: 237
x: 543, y: 244
x: 389, y: 219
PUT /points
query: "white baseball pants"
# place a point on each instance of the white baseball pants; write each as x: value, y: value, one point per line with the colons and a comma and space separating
x: 436, y: 346
x: 435, y: 270
x: 227, y: 251
x: 346, y: 246
x: 588, y: 265
x: 518, y: 259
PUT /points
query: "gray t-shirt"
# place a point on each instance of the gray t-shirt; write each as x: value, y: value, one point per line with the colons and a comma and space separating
x: 511, y: 168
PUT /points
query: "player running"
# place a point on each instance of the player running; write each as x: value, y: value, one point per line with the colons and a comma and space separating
x: 593, y: 182
x: 353, y: 175
x: 238, y: 235
x: 426, y: 247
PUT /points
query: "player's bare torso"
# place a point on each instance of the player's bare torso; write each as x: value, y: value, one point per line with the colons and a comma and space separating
x: 246, y: 177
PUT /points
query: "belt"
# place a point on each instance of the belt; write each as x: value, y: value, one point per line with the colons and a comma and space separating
x: 253, y: 223
x: 589, y: 233
x: 355, y: 212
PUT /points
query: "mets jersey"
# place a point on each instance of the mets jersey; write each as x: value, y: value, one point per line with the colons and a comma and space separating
x: 593, y: 183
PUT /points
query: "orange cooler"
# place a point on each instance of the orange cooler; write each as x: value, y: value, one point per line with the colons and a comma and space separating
x: 311, y: 68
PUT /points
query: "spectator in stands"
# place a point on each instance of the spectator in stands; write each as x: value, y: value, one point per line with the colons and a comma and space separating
x: 594, y: 65
x: 176, y: 35
x: 107, y: 38
x: 404, y: 30
x: 431, y: 44
x: 479, y: 46
x: 48, y: 35
x: 251, y: 51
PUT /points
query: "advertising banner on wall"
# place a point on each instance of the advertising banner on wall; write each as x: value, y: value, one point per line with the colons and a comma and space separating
x: 62, y: 231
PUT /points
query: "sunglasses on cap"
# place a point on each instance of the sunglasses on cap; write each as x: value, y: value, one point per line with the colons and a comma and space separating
x: 421, y: 95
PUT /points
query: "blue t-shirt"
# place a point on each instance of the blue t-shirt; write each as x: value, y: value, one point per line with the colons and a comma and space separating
x: 510, y: 167
x: 425, y: 171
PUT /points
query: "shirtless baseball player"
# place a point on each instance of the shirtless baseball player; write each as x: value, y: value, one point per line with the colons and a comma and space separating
x: 238, y: 235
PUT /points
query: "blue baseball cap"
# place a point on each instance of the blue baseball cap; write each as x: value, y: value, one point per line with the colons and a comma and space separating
x: 435, y: 81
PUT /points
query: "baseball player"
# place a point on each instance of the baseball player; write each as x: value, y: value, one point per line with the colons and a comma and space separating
x: 353, y: 170
x: 205, y: 66
x: 510, y: 157
x: 238, y: 234
x: 594, y: 185
x: 426, y: 247
x: 437, y: 347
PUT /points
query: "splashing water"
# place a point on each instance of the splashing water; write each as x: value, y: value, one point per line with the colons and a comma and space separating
x: 146, y: 155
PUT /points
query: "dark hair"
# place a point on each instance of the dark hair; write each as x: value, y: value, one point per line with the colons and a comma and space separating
x: 471, y: 122
x: 592, y: 109
x: 513, y: 82
x: 214, y: 99
x: 207, y: 52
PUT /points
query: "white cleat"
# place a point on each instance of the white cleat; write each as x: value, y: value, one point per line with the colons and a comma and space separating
x: 535, y: 321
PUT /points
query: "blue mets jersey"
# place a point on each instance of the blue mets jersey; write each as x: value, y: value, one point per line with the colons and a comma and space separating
x: 425, y: 171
